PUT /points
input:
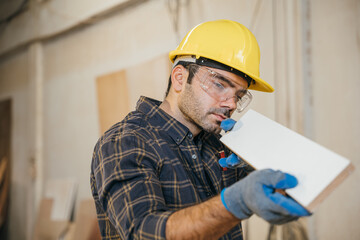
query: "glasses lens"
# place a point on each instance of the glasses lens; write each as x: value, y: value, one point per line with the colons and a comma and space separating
x: 244, y: 101
x: 215, y: 85
x: 219, y: 88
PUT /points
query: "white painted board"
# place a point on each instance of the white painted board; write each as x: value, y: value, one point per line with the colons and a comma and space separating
x: 264, y: 143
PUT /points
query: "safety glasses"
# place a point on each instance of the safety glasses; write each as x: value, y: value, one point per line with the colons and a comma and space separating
x: 221, y: 88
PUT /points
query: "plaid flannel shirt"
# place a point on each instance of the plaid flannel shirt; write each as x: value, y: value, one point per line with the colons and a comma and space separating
x: 148, y: 166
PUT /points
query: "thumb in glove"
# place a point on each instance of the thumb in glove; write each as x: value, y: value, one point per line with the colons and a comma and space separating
x: 233, y: 160
x: 227, y: 124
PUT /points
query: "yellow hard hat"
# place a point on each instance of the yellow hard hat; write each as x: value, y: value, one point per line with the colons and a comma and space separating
x: 227, y: 42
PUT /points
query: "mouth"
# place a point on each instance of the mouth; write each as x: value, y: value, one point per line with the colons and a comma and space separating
x: 220, y: 114
x: 219, y: 117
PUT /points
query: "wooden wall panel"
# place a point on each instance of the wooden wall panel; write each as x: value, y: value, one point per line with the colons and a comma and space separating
x: 113, y: 98
x: 149, y: 78
x: 118, y: 92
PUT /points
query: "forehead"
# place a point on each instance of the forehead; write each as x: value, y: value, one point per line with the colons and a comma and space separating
x: 232, y: 77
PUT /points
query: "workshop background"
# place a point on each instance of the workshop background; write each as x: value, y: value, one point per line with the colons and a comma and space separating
x: 71, y: 68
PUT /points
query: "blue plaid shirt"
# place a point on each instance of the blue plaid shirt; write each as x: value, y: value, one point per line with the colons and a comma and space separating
x: 148, y: 166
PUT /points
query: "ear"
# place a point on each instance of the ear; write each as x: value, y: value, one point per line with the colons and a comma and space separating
x: 178, y: 77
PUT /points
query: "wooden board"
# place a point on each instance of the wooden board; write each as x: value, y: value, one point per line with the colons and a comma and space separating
x: 263, y: 143
x: 149, y: 79
x: 4, y: 191
x: 113, y: 99
x: 86, y: 224
x: 45, y: 228
x: 118, y: 92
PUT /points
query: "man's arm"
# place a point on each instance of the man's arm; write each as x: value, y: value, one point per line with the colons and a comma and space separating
x: 253, y: 194
x: 207, y: 220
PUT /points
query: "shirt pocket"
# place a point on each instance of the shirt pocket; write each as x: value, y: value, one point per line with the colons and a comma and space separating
x: 177, y: 187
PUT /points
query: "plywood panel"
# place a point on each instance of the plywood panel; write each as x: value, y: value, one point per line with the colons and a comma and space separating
x: 113, y: 98
x: 86, y: 225
x: 45, y: 228
x: 149, y: 79
x: 118, y: 92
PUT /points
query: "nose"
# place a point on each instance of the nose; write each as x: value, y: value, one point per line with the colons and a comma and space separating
x: 229, y: 103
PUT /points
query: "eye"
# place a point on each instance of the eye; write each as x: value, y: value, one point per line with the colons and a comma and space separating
x: 241, y: 94
x: 218, y: 85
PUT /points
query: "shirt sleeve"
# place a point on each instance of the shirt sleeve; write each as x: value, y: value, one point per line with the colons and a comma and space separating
x: 128, y: 186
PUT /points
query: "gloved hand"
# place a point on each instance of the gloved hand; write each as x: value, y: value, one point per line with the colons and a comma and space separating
x: 233, y: 161
x: 227, y: 124
x: 256, y: 194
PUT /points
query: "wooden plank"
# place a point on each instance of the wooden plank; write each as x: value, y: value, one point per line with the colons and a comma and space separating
x: 118, y: 92
x: 149, y: 79
x: 3, y: 169
x: 113, y: 99
x: 86, y: 224
x: 45, y: 228
x: 4, y: 191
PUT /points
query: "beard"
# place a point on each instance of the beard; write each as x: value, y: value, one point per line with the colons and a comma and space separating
x: 194, y: 111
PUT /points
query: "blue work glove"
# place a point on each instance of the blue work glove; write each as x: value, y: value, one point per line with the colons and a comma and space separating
x: 256, y: 194
x: 227, y: 124
x: 233, y: 161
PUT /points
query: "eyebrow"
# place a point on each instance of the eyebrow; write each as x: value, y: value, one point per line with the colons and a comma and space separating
x: 225, y: 79
x: 221, y: 77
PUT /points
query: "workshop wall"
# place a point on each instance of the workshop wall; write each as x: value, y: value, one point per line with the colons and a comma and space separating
x: 309, y: 53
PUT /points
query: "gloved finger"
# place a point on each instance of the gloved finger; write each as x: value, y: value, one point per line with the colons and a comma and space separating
x: 227, y: 124
x: 285, y: 202
x: 290, y: 205
x: 233, y: 160
x: 277, y: 179
x: 288, y: 182
x: 230, y: 161
x: 222, y: 162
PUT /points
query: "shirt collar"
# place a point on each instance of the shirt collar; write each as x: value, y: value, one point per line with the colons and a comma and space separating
x: 160, y: 119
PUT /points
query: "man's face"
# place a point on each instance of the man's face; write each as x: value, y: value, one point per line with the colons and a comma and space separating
x: 201, y: 108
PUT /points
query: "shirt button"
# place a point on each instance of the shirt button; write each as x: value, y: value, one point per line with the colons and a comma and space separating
x: 190, y: 135
x: 208, y: 194
x: 193, y: 156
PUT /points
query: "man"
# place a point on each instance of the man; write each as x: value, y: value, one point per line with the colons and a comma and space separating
x: 156, y: 174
